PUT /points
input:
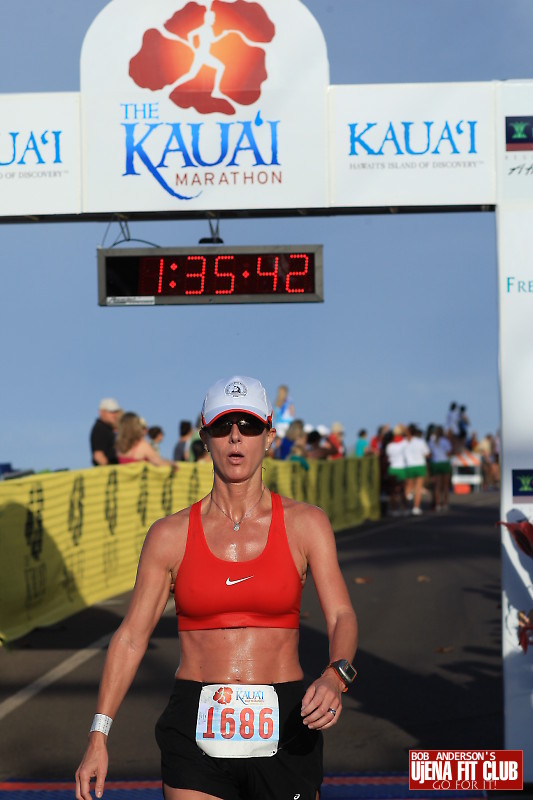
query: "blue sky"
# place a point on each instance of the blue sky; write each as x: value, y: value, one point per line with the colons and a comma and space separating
x: 410, y: 318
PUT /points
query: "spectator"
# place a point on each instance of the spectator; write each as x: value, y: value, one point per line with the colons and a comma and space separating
x: 315, y: 447
x: 131, y: 446
x: 299, y: 451
x: 416, y: 455
x: 362, y: 445
x: 283, y: 411
x: 439, y: 467
x: 195, y: 437
x: 199, y: 452
x: 181, y: 450
x: 103, y: 433
x: 490, y: 466
x: 377, y: 440
x: 463, y: 423
x: 156, y: 436
x: 294, y: 432
x: 452, y: 421
x: 452, y: 429
x: 472, y: 442
x: 336, y: 440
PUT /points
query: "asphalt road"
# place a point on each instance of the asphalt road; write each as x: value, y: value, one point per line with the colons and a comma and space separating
x: 427, y: 594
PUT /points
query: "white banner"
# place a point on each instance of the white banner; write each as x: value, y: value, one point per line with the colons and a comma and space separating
x: 516, y: 378
x: 412, y: 145
x: 515, y: 141
x: 39, y: 154
x: 204, y: 106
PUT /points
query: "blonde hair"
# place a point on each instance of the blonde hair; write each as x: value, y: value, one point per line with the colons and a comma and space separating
x: 129, y: 432
x: 295, y: 430
x: 281, y: 396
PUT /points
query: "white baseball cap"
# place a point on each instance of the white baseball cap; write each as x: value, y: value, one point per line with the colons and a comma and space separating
x: 109, y: 404
x: 238, y: 393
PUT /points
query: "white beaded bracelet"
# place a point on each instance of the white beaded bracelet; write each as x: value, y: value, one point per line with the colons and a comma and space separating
x: 101, y: 723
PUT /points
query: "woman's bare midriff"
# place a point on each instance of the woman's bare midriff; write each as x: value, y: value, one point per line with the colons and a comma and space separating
x: 240, y: 655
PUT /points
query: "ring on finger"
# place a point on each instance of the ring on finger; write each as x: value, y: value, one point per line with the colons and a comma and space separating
x: 332, y: 712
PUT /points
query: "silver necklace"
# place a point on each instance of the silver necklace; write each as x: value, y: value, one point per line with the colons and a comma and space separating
x: 237, y: 523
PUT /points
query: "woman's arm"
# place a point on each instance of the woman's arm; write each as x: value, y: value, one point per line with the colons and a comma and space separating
x: 146, y: 451
x: 325, y: 693
x: 128, y: 646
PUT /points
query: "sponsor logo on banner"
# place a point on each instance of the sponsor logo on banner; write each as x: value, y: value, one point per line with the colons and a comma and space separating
x: 39, y: 154
x: 519, y: 150
x: 522, y: 485
x: 518, y: 133
x: 413, y: 144
x: 438, y: 144
x: 432, y: 138
x: 212, y: 98
x: 32, y: 153
x: 466, y: 770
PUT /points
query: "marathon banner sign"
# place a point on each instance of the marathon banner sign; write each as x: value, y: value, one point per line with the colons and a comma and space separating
x: 465, y: 770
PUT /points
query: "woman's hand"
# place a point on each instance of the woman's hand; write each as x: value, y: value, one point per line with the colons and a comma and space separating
x: 93, y: 765
x: 321, y: 699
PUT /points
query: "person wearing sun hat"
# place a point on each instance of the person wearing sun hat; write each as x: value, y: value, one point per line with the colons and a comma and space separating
x: 240, y: 721
x: 102, y: 437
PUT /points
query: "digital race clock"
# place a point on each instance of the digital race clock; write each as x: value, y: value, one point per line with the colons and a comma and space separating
x: 166, y: 276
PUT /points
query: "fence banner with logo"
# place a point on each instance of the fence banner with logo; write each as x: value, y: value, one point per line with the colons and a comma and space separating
x: 515, y: 223
x: 72, y: 539
x: 203, y: 106
x: 40, y: 166
x: 412, y: 144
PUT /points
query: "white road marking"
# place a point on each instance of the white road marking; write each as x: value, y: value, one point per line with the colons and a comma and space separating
x: 55, y: 674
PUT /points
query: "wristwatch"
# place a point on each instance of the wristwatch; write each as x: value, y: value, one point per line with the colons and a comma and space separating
x: 345, y: 671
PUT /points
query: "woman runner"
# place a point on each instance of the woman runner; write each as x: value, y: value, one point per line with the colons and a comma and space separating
x: 240, y: 723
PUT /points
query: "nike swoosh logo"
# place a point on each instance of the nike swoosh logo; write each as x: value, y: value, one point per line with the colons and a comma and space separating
x: 239, y: 580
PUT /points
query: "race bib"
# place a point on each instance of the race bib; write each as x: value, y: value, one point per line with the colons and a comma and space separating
x: 238, y: 720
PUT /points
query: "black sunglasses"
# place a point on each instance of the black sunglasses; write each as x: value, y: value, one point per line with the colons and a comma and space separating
x: 248, y: 426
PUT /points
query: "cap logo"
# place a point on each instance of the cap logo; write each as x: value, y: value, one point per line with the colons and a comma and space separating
x: 236, y: 389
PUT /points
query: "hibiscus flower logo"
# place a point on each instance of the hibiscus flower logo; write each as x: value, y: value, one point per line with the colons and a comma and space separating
x: 209, y: 56
x: 223, y: 695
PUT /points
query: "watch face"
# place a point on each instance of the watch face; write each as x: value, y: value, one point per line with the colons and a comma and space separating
x: 346, y: 669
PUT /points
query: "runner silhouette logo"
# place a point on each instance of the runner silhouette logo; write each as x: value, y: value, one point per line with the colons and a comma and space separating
x: 223, y: 695
x: 208, y: 55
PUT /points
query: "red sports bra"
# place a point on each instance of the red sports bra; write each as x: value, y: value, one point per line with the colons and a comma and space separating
x: 264, y: 592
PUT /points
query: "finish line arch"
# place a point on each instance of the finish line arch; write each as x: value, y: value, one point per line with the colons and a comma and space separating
x: 76, y: 156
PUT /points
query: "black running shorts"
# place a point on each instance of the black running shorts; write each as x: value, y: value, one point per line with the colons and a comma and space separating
x: 294, y: 771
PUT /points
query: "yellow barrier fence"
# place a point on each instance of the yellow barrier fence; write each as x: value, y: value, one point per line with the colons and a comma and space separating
x: 72, y: 539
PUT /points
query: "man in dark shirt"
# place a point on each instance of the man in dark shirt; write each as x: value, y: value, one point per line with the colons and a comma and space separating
x: 103, y: 433
x: 181, y: 451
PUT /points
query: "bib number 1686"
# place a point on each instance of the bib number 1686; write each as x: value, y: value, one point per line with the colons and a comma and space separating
x: 246, y: 722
